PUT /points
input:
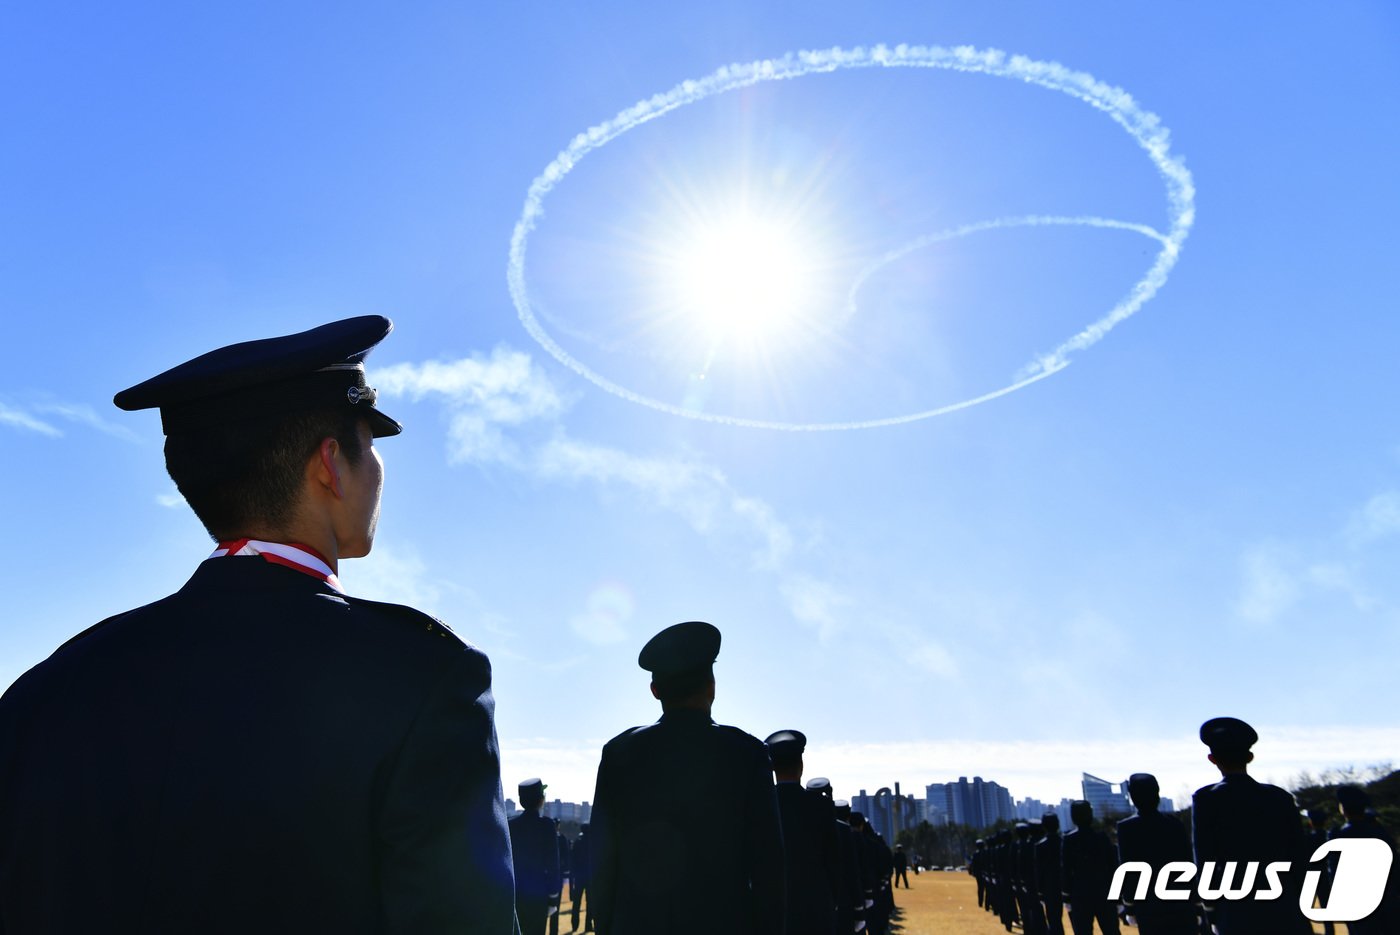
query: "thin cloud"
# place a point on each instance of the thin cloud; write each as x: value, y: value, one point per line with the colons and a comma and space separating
x: 171, y: 499
x: 1279, y: 577
x: 84, y: 415
x: 18, y: 418
x: 1378, y: 519
x: 484, y: 396
x: 697, y: 492
x: 38, y: 418
x: 819, y: 604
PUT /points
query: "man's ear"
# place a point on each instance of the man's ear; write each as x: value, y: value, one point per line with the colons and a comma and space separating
x: 653, y: 692
x: 323, y: 468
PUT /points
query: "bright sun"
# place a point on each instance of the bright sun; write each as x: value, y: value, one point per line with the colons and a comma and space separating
x: 744, y: 278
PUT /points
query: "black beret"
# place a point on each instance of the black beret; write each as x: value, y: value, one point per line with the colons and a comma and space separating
x: 320, y: 368
x: 532, y: 787
x: 680, y: 648
x: 786, y: 743
x: 1229, y: 734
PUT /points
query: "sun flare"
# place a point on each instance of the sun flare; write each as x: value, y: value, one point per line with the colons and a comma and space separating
x: 743, y: 278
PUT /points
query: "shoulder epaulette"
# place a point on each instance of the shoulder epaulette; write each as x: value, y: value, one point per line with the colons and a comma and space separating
x: 410, y: 615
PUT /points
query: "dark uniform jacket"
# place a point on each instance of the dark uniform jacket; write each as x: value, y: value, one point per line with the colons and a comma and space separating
x: 850, y: 893
x: 1241, y: 819
x: 581, y: 863
x: 1157, y: 840
x: 685, y: 832
x: 1385, y: 920
x: 254, y: 753
x: 1047, y: 868
x: 534, y: 843
x: 1087, y: 861
x: 809, y: 841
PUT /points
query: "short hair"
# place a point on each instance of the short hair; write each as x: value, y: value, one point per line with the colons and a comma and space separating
x: 785, y: 758
x: 1231, y: 757
x: 1352, y: 798
x: 233, y: 473
x: 678, y: 686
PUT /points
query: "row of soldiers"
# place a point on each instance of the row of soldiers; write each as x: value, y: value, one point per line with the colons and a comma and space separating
x: 1028, y: 876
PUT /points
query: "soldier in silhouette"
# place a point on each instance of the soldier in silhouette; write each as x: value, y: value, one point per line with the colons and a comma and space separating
x: 1004, y: 868
x: 1027, y: 900
x: 579, y: 872
x: 1242, y: 820
x: 1155, y: 839
x: 1047, y: 874
x: 978, y: 869
x: 1361, y: 822
x: 901, y: 866
x: 534, y: 845
x: 809, y: 840
x: 850, y: 893
x: 1087, y: 861
x: 669, y: 855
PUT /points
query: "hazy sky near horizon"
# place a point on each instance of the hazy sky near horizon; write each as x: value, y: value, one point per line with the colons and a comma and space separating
x: 1199, y: 516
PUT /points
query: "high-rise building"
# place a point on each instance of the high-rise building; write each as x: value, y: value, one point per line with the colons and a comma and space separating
x: 1109, y: 800
x: 977, y: 804
x: 568, y: 811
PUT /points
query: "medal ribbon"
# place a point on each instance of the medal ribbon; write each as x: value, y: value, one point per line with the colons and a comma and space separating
x: 302, y: 558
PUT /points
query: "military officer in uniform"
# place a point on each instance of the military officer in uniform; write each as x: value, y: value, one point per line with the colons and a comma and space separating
x: 1027, y: 899
x: 809, y: 840
x: 1241, y: 819
x: 259, y: 751
x: 977, y: 867
x: 686, y: 835
x: 1361, y: 822
x: 850, y: 899
x: 1087, y: 861
x: 534, y: 845
x: 580, y: 873
x: 1047, y: 875
x: 1157, y: 840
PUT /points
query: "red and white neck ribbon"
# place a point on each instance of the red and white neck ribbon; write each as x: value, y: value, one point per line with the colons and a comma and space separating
x: 303, y: 558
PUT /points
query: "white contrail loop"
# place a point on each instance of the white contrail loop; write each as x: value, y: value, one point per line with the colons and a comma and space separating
x: 1144, y: 126
x: 955, y: 233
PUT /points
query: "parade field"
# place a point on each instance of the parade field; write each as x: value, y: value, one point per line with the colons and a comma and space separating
x: 937, y: 903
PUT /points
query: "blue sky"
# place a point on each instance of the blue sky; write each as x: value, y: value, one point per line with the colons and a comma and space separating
x: 1199, y: 516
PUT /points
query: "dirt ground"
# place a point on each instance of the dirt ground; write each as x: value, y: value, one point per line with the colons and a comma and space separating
x: 937, y: 903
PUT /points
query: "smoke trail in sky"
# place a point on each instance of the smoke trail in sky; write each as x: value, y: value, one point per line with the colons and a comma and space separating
x: 1145, y: 127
